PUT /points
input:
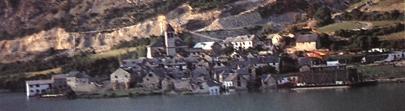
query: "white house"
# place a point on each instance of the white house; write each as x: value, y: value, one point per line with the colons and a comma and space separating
x: 37, y: 87
x: 243, y: 42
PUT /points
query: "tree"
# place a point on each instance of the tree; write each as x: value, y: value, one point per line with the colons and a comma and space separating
x: 228, y: 51
x: 333, y: 47
x: 189, y: 40
x: 323, y: 16
x: 325, y: 42
x: 313, y: 7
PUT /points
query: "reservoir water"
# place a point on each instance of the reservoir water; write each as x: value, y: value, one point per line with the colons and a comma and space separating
x: 383, y: 97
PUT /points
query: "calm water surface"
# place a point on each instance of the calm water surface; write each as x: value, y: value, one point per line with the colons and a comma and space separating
x: 383, y: 97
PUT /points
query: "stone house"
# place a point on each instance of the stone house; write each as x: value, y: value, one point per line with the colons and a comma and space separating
x: 81, y: 82
x: 268, y: 82
x: 275, y: 39
x: 121, y: 79
x: 153, y: 79
x: 307, y: 42
x: 201, y: 88
x: 235, y: 82
x: 57, y: 84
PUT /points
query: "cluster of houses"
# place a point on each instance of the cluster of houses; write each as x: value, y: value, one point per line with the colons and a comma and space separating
x: 60, y: 83
x: 171, y: 66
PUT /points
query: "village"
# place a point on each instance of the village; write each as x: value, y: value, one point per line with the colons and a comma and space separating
x: 172, y: 67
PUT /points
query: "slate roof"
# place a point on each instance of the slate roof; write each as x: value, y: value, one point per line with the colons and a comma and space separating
x: 158, y: 43
x: 228, y: 40
x: 39, y: 82
x: 78, y: 74
x: 244, y: 38
x: 231, y: 77
x: 179, y: 42
x: 271, y: 59
x: 304, y: 61
x: 211, y: 83
x: 243, y: 71
x: 59, y: 76
x: 222, y: 69
x: 307, y: 38
x: 160, y: 72
x: 198, y: 71
x: 169, y: 28
x: 242, y: 64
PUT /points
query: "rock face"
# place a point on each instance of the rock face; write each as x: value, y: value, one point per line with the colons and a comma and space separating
x: 234, y: 17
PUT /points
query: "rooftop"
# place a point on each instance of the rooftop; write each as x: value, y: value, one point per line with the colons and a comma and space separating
x: 307, y: 38
x: 39, y: 82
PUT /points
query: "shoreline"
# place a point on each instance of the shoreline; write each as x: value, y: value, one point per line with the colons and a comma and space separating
x: 391, y: 80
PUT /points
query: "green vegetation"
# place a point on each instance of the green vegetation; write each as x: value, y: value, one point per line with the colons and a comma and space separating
x: 345, y: 25
x: 44, y: 72
x: 393, y: 36
x: 323, y: 16
x: 282, y: 6
x: 114, y: 53
x: 371, y: 16
x: 350, y: 25
x: 382, y: 71
x: 362, y: 2
x: 386, y: 3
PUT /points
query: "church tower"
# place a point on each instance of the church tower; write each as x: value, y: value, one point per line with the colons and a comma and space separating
x: 170, y: 41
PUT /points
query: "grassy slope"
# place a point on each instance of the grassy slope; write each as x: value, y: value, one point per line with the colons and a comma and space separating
x: 349, y: 25
x: 382, y: 3
x: 385, y: 3
x: 383, y: 71
x: 55, y: 70
x: 357, y: 4
x: 393, y: 36
x: 113, y: 53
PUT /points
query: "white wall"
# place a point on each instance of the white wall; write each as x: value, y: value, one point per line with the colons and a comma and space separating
x: 36, y: 89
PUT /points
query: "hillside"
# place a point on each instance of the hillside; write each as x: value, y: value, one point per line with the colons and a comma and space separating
x: 29, y: 26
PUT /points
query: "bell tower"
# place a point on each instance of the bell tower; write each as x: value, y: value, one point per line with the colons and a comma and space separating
x: 170, y: 41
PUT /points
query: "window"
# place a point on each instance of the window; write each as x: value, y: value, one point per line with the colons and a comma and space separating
x: 126, y: 76
x: 32, y: 91
x: 31, y: 86
x: 150, y: 75
x: 43, y: 90
x: 37, y: 90
x: 147, y: 79
x: 116, y: 76
x: 201, y: 87
x: 37, y: 85
x: 250, y: 70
